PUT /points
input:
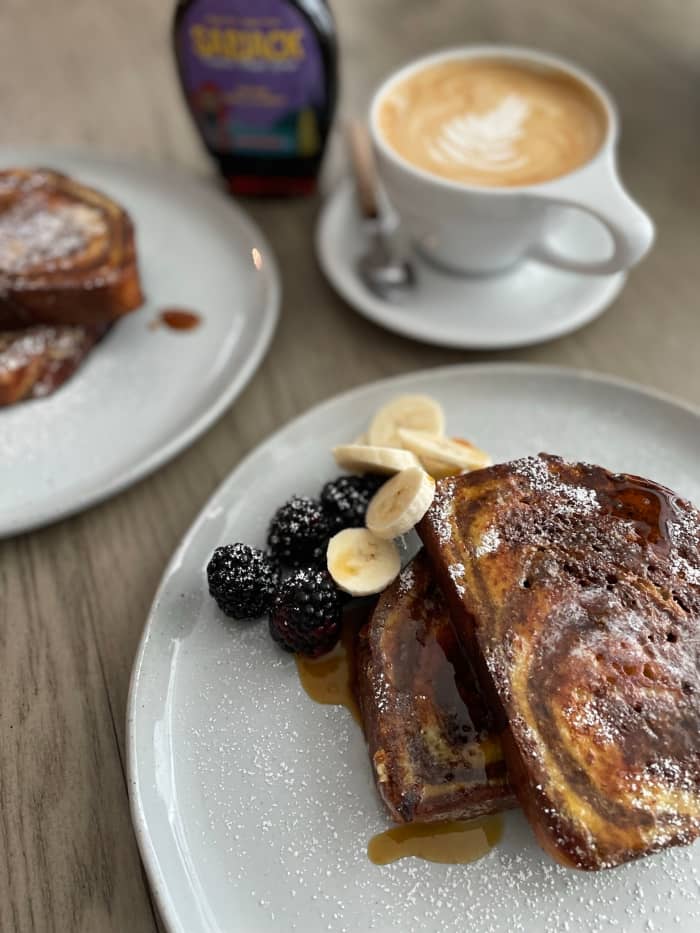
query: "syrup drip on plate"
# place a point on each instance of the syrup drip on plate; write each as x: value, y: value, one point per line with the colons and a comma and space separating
x: 178, y: 319
x: 329, y: 679
x: 453, y: 842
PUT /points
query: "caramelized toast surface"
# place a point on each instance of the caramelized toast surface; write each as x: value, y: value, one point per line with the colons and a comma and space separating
x: 576, y: 592
x: 429, y: 732
x: 35, y: 361
x: 67, y: 252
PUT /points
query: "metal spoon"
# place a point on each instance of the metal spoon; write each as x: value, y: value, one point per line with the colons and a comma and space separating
x: 383, y: 268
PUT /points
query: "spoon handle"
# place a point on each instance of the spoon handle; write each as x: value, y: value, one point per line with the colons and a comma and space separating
x: 364, y: 169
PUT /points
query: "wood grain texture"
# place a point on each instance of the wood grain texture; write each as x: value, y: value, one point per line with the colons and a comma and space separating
x: 73, y: 597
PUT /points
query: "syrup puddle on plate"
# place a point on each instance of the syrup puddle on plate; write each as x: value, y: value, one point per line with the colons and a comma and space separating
x: 454, y: 842
x: 177, y: 319
x: 329, y: 680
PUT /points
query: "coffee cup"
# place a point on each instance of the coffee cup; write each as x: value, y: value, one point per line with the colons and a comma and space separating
x: 482, y: 149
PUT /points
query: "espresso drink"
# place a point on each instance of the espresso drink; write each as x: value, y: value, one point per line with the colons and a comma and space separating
x: 492, y: 123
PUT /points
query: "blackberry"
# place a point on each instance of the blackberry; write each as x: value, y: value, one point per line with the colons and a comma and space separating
x: 346, y: 498
x: 307, y: 613
x: 243, y: 580
x: 299, y: 532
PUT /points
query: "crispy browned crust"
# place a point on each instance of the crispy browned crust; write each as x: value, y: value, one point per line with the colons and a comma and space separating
x: 67, y: 252
x: 577, y: 594
x: 35, y: 361
x: 431, y: 743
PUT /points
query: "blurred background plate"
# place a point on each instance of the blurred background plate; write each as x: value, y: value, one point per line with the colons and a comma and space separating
x: 144, y: 393
x: 253, y: 805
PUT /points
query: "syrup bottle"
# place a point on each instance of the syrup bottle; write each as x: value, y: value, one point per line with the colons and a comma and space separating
x: 260, y: 79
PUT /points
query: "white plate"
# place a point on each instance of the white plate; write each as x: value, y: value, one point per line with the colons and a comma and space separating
x: 253, y: 805
x: 528, y: 305
x: 143, y: 395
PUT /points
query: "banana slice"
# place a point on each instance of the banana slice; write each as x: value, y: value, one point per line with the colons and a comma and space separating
x: 439, y: 469
x: 400, y: 503
x: 361, y: 563
x: 366, y: 458
x: 417, y: 412
x: 443, y: 456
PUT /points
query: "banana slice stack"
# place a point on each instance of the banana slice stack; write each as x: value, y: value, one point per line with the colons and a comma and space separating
x: 406, y: 441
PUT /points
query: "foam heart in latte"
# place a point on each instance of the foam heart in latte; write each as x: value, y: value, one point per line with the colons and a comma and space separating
x: 492, y: 123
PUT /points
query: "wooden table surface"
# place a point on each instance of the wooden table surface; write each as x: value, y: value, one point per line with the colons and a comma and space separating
x: 74, y: 596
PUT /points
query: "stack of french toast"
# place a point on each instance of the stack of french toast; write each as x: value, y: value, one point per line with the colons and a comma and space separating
x: 68, y: 270
x: 543, y: 650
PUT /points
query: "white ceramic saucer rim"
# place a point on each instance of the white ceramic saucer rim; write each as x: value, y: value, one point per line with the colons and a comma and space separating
x: 341, y: 274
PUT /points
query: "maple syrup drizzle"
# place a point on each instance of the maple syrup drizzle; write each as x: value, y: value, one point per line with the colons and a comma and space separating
x: 179, y: 319
x: 328, y: 679
x: 454, y: 842
x: 650, y: 510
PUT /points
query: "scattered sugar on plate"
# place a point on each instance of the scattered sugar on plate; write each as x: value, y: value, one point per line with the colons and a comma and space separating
x: 275, y: 794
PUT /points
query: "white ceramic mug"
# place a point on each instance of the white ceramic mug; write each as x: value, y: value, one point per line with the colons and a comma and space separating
x: 480, y: 230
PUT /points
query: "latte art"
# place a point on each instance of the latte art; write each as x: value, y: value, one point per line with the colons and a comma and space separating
x: 486, y: 141
x: 492, y: 123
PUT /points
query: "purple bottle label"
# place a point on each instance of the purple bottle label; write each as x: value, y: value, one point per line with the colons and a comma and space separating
x: 253, y: 75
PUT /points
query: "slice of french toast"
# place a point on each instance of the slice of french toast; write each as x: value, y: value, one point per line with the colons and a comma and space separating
x: 576, y: 592
x: 35, y: 361
x: 429, y: 732
x: 67, y: 252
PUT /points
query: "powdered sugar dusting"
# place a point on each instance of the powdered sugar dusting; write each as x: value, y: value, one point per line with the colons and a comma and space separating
x: 588, y: 718
x: 684, y: 531
x: 441, y: 511
x: 406, y: 580
x: 36, y: 360
x: 456, y: 572
x: 489, y: 543
x: 572, y: 499
x: 31, y: 234
x: 680, y: 566
x: 685, y: 526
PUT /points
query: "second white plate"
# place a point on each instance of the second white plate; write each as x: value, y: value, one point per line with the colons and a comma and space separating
x: 253, y: 805
x: 143, y: 394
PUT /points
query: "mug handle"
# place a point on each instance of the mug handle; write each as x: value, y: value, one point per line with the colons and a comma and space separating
x: 599, y: 192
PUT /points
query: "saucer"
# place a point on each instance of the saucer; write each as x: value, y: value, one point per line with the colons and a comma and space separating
x: 529, y: 304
